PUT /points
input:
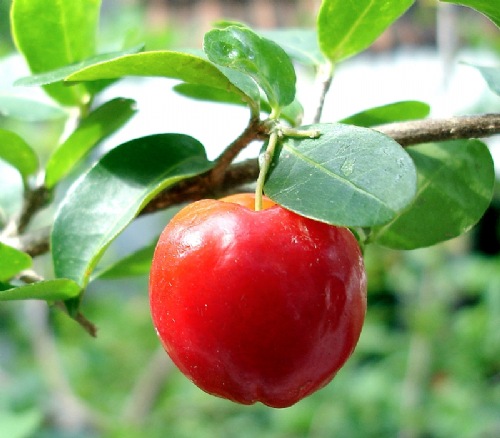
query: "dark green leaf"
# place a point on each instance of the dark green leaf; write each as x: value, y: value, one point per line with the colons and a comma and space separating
x: 29, y: 110
x: 490, y: 8
x: 292, y: 113
x: 492, y: 77
x: 176, y: 65
x: 349, y: 176
x: 392, y: 112
x: 300, y: 44
x: 263, y: 60
x: 347, y: 28
x: 61, y: 73
x: 98, y: 125
x: 50, y: 290
x: 455, y: 186
x: 12, y: 261
x: 108, y: 197
x: 53, y: 33
x: 137, y: 263
x: 15, y: 151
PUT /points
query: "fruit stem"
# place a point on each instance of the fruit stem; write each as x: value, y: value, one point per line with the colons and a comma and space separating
x: 265, y: 162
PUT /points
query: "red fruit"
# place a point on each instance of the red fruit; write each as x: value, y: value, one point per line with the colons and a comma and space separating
x: 256, y: 306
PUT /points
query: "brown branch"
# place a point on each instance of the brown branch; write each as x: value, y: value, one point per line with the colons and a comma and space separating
x: 239, y: 174
x: 255, y: 130
x: 453, y: 128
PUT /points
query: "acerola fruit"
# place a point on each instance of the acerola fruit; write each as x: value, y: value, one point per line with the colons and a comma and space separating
x: 256, y: 305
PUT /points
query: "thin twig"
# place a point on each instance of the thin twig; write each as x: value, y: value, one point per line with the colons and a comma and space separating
x: 325, y: 77
x: 253, y: 131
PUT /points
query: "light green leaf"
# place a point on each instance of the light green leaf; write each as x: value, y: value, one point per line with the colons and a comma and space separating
x: 23, y: 424
x: 61, y: 73
x: 137, y: 263
x: 241, y: 49
x: 29, y: 110
x: 349, y: 176
x: 455, y: 186
x: 50, y: 290
x: 54, y: 33
x: 490, y: 8
x: 392, y: 112
x: 300, y: 44
x: 12, y: 261
x: 15, y: 151
x: 108, y: 197
x: 346, y: 28
x: 491, y: 75
x: 100, y: 123
x: 176, y: 65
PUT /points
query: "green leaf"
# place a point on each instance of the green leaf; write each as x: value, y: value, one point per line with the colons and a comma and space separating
x: 61, y: 73
x: 347, y: 28
x: 50, y: 290
x: 137, y: 263
x: 12, y: 261
x: 100, y: 123
x: 491, y: 75
x: 263, y: 60
x: 490, y: 8
x: 54, y: 33
x: 176, y: 65
x: 15, y: 151
x: 455, y: 186
x: 108, y: 197
x: 349, y: 176
x: 292, y: 113
x: 392, y: 112
x: 300, y: 45
x: 29, y: 110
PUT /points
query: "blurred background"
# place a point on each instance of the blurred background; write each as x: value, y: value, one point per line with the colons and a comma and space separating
x: 428, y: 361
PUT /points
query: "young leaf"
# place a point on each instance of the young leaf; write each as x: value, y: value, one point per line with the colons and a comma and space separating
x: 98, y: 125
x: 176, y: 65
x: 137, y: 263
x: 347, y: 28
x: 53, y: 33
x: 50, y: 290
x: 263, y: 60
x: 455, y: 186
x: 349, y: 176
x: 29, y: 110
x: 490, y: 8
x: 300, y: 45
x: 392, y: 112
x: 292, y: 113
x: 12, y: 261
x: 492, y: 77
x: 15, y: 151
x: 108, y: 197
x: 61, y: 73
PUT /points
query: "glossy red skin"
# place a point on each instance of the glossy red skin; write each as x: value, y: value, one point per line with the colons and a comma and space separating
x: 257, y: 306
